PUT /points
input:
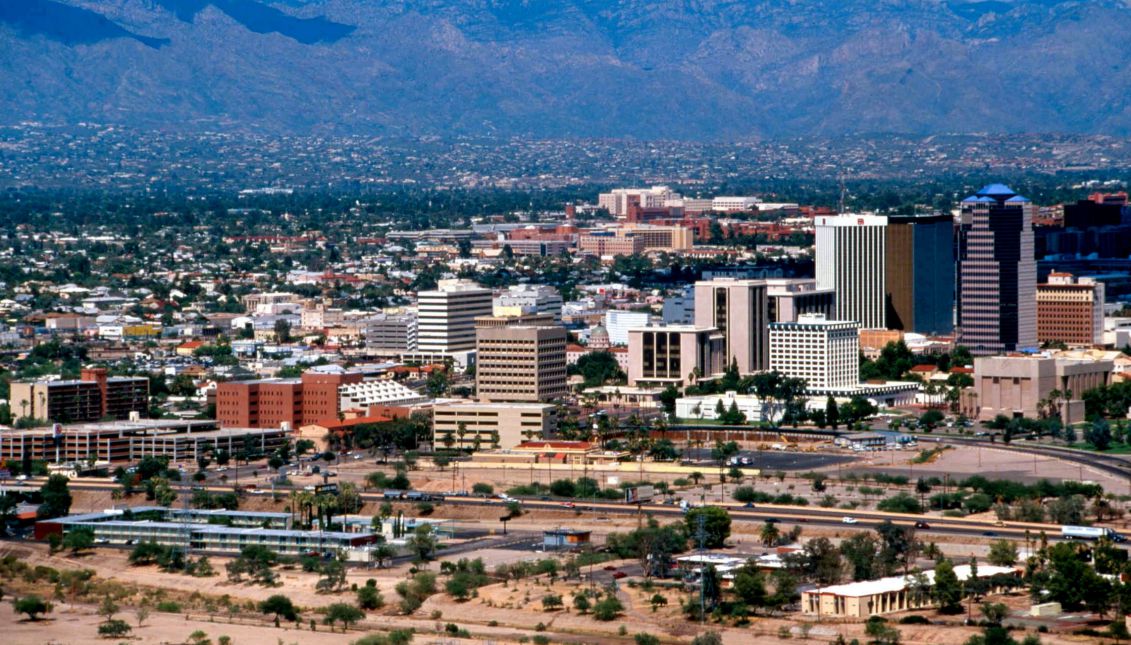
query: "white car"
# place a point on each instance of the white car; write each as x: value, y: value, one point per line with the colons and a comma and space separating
x: 848, y: 520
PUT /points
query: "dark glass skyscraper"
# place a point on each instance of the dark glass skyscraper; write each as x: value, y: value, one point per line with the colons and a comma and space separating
x: 997, y: 273
x: 920, y: 273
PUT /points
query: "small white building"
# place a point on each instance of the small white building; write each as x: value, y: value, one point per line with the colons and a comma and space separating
x: 706, y: 406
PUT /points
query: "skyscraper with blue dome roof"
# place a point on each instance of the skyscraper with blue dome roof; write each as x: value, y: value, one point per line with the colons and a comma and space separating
x: 997, y: 273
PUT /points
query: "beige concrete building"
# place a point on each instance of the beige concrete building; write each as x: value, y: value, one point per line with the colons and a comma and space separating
x: 673, y: 355
x: 739, y: 309
x: 1070, y: 310
x: 526, y: 363
x: 1017, y: 386
x: 859, y: 600
x: 486, y: 426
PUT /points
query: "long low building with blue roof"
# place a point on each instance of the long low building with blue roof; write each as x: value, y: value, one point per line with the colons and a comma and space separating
x: 212, y: 531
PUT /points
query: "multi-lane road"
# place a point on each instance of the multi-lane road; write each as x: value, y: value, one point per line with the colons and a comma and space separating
x: 800, y: 515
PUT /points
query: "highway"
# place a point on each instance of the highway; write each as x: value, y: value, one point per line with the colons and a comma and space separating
x: 786, y: 515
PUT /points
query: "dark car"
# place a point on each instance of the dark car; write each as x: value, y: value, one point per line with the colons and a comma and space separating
x: 922, y: 525
x: 620, y: 574
x: 748, y: 505
x: 989, y: 533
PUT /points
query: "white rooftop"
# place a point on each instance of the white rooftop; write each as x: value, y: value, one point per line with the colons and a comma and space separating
x: 899, y: 583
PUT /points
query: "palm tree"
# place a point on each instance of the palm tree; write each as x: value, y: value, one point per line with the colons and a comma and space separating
x: 461, y: 431
x: 769, y: 534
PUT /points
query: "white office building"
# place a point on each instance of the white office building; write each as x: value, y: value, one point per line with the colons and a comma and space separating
x: 619, y: 321
x: 826, y: 353
x: 524, y: 299
x: 617, y: 201
x: 732, y: 204
x: 851, y: 260
x: 446, y: 316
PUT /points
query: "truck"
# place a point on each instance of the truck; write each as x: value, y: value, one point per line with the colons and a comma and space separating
x: 1090, y: 533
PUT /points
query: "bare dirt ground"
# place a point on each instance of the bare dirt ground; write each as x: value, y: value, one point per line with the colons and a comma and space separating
x: 994, y: 463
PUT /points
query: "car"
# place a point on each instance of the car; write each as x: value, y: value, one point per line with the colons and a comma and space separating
x: 848, y: 520
x: 569, y: 505
x: 999, y: 523
x: 772, y: 520
x: 619, y: 574
x: 609, y: 567
x: 922, y: 525
x: 989, y: 533
x: 748, y: 505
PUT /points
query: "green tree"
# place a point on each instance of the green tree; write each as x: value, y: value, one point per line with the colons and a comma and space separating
x: 551, y: 602
x: 1003, y: 553
x: 56, y: 495
x: 947, y: 590
x: 608, y: 608
x: 33, y: 606
x: 716, y: 525
x: 114, y: 629
x: 281, y: 606
x: 369, y: 596
x: 79, y: 539
x: 832, y: 413
x: 861, y: 552
x: 880, y: 632
x: 343, y: 613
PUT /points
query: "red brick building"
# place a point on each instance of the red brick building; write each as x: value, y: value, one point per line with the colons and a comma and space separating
x: 271, y: 402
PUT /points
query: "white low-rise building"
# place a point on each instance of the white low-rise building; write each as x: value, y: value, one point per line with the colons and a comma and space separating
x: 381, y: 392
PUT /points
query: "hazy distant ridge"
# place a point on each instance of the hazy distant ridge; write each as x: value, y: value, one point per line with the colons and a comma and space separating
x: 710, y: 69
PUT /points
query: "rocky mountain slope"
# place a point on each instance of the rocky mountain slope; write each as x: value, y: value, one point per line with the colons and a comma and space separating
x: 670, y: 69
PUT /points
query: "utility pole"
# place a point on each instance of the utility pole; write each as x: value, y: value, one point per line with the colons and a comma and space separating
x: 701, y: 536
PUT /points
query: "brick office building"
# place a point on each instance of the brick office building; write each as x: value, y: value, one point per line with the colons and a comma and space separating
x: 268, y: 403
x: 1070, y: 310
x: 93, y: 396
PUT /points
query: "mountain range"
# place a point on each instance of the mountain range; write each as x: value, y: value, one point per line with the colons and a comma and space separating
x: 658, y: 69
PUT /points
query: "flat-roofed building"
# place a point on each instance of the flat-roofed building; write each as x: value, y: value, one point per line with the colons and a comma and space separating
x: 471, y: 426
x: 852, y: 261
x: 94, y: 395
x: 525, y: 299
x: 674, y: 355
x: 1019, y: 386
x: 1070, y: 310
x: 270, y: 403
x: 395, y: 332
x: 227, y: 533
x: 525, y: 363
x: 446, y: 316
x: 740, y: 311
x: 789, y: 298
x: 825, y: 353
x: 122, y: 441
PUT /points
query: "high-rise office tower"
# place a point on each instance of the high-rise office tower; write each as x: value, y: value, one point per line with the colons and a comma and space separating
x: 739, y: 309
x: 920, y: 273
x: 825, y: 353
x: 852, y: 261
x: 524, y: 363
x: 997, y: 273
x: 446, y: 316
